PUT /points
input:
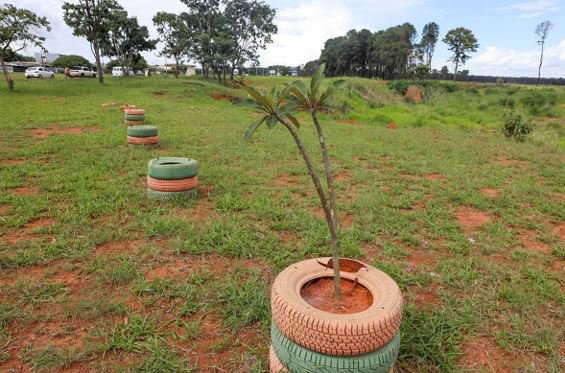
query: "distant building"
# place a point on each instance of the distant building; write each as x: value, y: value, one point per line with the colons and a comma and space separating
x: 294, y: 71
x: 190, y: 70
x: 21, y: 66
x: 46, y: 58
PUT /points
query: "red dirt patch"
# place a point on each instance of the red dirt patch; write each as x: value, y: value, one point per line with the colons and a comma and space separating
x: 409, y: 176
x: 482, y: 353
x: 222, y: 96
x: 470, y: 219
x: 167, y: 270
x: 14, y: 162
x: 25, y: 191
x: 319, y: 294
x: 434, y: 177
x: 53, y: 129
x: 489, y: 192
x: 392, y: 126
x: 40, y: 223
x: 560, y: 230
x: 286, y: 180
x: 4, y: 209
x: 421, y: 258
x: 531, y: 243
x: 347, y: 121
x: 346, y: 220
x: 427, y: 296
x: 523, y: 165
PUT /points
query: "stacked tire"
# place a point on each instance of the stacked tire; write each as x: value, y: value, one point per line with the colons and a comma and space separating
x: 306, y: 339
x: 134, y: 117
x: 143, y: 137
x: 172, y: 178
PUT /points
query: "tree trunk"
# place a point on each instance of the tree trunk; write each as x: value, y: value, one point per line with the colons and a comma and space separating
x: 455, y: 73
x: 540, y: 63
x: 333, y: 208
x: 321, y: 195
x: 176, y: 68
x: 7, y: 76
x: 99, y: 71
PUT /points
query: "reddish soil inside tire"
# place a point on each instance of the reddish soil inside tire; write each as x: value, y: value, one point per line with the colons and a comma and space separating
x: 319, y: 293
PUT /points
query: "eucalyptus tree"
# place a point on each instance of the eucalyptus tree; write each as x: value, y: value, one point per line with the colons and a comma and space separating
x: 91, y: 19
x: 461, y: 42
x: 430, y: 35
x: 19, y: 28
x: 126, y: 39
x: 175, y: 35
x: 542, y: 31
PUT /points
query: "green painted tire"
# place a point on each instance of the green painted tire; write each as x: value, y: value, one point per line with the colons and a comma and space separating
x: 172, y: 168
x: 299, y: 359
x: 168, y: 196
x: 143, y: 146
x: 142, y: 131
x: 134, y: 117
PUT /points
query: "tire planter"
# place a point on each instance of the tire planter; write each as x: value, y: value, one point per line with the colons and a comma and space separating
x: 335, y: 334
x: 134, y: 116
x: 132, y: 110
x: 143, y: 140
x: 172, y: 177
x: 131, y: 117
x: 134, y: 122
x: 299, y: 359
x: 275, y: 365
x: 142, y: 131
x: 172, y: 168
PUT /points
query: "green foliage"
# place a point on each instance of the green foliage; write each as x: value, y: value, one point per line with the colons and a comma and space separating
x: 461, y: 42
x: 71, y: 60
x: 401, y: 86
x: 507, y: 102
x: 516, y: 126
x: 125, y: 39
x: 19, y: 28
x: 538, y: 103
x: 427, y: 45
x: 175, y: 36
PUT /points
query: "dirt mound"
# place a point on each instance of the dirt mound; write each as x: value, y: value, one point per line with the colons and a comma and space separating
x: 222, y: 96
x: 392, y: 126
x: 54, y: 129
x: 414, y: 94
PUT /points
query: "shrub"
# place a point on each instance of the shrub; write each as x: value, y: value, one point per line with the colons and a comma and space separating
x: 401, y: 86
x: 507, y: 103
x: 538, y: 103
x: 381, y: 119
x: 516, y: 126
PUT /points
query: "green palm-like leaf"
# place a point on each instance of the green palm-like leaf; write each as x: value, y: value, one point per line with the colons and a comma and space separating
x: 252, y: 128
x: 293, y: 119
x: 247, y: 102
x: 257, y: 96
x: 271, y: 121
x: 317, y: 79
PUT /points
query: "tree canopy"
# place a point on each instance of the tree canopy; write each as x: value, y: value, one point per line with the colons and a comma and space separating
x: 71, y: 60
x: 19, y: 29
x: 175, y: 36
x: 461, y: 42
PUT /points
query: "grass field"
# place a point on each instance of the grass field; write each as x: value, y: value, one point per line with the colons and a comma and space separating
x: 96, y: 277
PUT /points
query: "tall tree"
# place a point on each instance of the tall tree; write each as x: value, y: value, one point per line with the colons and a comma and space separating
x: 91, y: 19
x: 71, y: 60
x: 392, y: 49
x: 125, y: 39
x: 251, y: 26
x: 461, y: 42
x: 175, y: 35
x: 542, y: 31
x: 430, y: 35
x: 19, y: 28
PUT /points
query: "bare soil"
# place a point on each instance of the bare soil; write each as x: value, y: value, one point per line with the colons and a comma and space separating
x: 489, y: 192
x: 319, y: 293
x: 54, y: 129
x: 471, y: 219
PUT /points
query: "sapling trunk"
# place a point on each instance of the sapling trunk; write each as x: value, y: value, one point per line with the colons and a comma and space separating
x: 323, y: 200
x: 333, y: 208
x: 7, y: 76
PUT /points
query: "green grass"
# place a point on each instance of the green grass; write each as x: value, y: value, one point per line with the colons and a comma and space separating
x: 150, y: 286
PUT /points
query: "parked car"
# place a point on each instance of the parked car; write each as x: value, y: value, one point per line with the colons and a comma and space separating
x: 38, y: 72
x: 121, y: 71
x: 81, y: 71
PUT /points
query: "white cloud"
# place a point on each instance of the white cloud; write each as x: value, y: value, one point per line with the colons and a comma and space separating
x: 508, y: 62
x: 530, y: 9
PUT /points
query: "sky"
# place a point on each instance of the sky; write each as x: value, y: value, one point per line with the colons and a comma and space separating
x: 504, y: 29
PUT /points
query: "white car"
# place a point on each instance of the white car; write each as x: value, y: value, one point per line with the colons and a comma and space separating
x: 81, y: 71
x: 39, y: 72
x: 121, y: 71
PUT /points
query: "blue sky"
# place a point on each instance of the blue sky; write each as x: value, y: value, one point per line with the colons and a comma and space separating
x: 504, y: 28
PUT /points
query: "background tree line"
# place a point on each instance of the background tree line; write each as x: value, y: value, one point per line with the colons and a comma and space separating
x: 392, y: 53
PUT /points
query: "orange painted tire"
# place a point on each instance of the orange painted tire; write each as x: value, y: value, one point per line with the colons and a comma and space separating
x: 330, y: 333
x: 134, y: 111
x: 176, y: 185
x: 275, y: 365
x: 135, y: 122
x: 143, y: 140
